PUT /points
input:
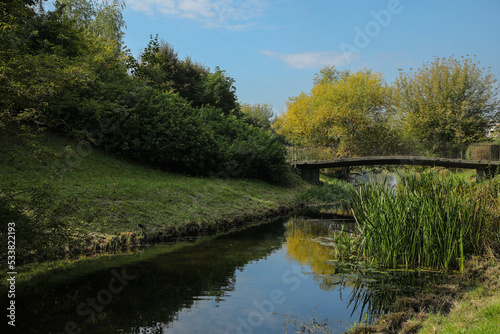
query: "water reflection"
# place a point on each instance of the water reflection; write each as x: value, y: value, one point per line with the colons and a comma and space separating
x: 243, y: 282
x: 162, y: 286
x: 370, y: 291
x: 374, y: 291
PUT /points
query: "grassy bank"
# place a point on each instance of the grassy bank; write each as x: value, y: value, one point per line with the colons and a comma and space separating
x: 478, y: 311
x: 466, y: 303
x: 114, y: 202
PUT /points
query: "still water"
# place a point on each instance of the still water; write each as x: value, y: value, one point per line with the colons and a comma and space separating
x: 260, y: 280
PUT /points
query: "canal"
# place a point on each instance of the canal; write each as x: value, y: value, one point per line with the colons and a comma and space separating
x: 269, y: 278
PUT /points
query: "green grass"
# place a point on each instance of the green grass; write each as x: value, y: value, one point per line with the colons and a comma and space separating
x: 124, y: 194
x: 109, y: 197
x: 477, y: 312
x: 333, y: 191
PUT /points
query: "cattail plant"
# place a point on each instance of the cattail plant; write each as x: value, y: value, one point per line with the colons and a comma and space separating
x: 428, y: 221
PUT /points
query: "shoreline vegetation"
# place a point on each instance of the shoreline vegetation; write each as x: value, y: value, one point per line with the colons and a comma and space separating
x: 468, y: 303
x: 451, y: 211
x: 105, y: 204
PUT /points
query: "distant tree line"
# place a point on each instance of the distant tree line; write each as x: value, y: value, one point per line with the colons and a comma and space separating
x: 447, y: 100
x: 66, y: 70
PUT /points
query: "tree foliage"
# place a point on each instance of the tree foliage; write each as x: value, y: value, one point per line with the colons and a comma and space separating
x: 258, y: 114
x: 161, y: 68
x: 448, y: 100
x: 64, y: 70
x: 341, y: 110
x: 102, y: 18
x: 40, y: 59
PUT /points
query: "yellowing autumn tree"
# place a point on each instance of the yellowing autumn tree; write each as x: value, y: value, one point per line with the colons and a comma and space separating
x: 448, y: 100
x: 348, y: 111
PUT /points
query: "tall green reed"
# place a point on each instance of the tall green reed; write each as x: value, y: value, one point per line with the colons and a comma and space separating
x: 428, y: 220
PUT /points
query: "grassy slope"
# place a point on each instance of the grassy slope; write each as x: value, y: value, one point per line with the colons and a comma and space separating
x: 477, y: 312
x: 120, y: 195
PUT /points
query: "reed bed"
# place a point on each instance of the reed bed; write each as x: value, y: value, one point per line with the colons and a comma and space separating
x: 428, y: 220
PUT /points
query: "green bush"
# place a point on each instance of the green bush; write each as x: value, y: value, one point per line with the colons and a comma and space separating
x: 41, y: 231
x: 245, y: 150
x: 259, y: 155
x: 165, y: 130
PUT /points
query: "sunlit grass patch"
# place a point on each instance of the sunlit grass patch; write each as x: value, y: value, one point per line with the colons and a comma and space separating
x: 477, y: 312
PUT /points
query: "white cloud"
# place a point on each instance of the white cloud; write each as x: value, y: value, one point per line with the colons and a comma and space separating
x: 193, y: 9
x: 312, y: 60
x: 230, y: 14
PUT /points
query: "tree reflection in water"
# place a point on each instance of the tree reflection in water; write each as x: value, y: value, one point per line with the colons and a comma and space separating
x: 372, y: 291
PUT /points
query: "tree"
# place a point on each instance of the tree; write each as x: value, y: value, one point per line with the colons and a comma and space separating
x: 258, y: 114
x: 342, y: 110
x: 218, y: 90
x: 39, y: 62
x: 329, y: 74
x: 160, y: 67
x: 447, y: 100
x: 102, y: 18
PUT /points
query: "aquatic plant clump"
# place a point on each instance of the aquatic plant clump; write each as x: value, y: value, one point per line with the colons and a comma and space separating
x: 427, y: 221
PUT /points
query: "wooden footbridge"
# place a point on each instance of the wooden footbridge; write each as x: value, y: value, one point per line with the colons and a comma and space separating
x: 481, y: 157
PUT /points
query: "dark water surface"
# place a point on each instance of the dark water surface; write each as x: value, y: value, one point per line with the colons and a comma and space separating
x: 253, y: 281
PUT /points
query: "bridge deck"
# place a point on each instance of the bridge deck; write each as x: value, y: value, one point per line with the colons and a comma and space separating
x: 399, y: 160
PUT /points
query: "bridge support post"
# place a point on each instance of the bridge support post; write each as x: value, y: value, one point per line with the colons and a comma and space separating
x: 480, y: 174
x: 311, y: 175
x: 486, y: 173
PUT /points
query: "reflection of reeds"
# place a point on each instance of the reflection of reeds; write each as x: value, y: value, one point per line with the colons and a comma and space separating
x: 375, y: 292
x: 428, y: 221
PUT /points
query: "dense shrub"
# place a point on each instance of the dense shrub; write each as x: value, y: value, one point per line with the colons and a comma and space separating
x: 41, y: 230
x: 245, y: 150
x: 259, y: 155
x: 164, y: 130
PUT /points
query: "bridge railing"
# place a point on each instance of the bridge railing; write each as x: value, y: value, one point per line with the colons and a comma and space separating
x: 481, y: 151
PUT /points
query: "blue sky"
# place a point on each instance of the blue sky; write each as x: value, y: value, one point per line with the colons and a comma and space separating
x: 273, y: 48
